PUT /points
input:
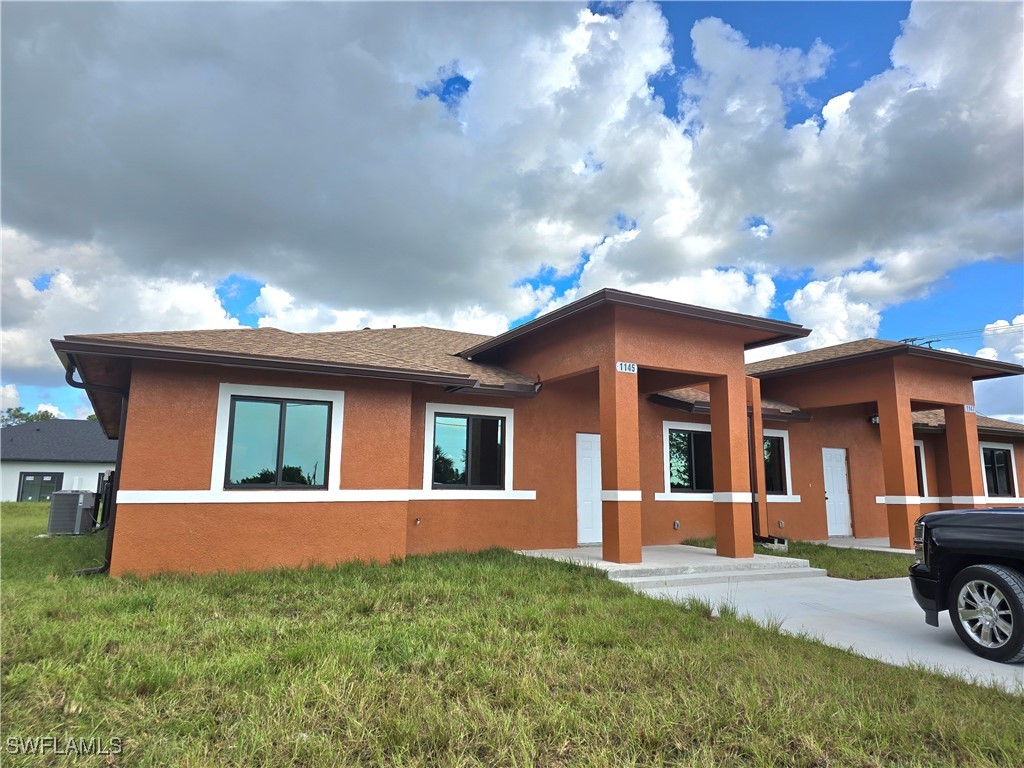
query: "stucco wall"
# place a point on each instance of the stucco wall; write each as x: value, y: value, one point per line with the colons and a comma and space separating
x: 168, y: 446
x: 696, y: 518
x: 77, y: 476
x: 545, y: 462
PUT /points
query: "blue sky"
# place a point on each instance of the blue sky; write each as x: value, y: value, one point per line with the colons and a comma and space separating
x: 855, y: 167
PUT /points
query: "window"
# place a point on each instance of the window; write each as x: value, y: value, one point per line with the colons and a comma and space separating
x: 469, y: 451
x: 689, y: 460
x: 38, y: 486
x: 278, y: 443
x: 775, y: 466
x: 999, y: 469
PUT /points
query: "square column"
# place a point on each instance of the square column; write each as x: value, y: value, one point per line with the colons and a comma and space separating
x: 965, y: 473
x: 620, y: 465
x: 757, y: 472
x: 734, y: 528
x: 899, y: 469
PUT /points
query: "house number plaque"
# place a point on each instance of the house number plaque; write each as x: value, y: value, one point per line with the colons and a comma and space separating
x: 625, y: 367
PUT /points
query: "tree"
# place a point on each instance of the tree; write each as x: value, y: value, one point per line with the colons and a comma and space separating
x: 91, y: 417
x: 13, y: 416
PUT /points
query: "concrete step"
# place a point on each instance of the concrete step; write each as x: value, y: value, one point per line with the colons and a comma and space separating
x: 618, y: 572
x: 661, y: 580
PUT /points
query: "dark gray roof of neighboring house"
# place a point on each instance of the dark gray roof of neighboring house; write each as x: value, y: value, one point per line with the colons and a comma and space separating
x: 65, y: 440
x: 867, y: 349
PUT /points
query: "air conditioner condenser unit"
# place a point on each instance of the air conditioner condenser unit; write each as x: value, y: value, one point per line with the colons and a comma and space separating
x: 71, y: 512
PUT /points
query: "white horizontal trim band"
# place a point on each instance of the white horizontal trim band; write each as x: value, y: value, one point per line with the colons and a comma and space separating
x: 621, y: 496
x: 683, y: 497
x: 745, y: 497
x: 972, y: 500
x: 472, y: 495
x: 316, y: 497
x: 773, y: 498
x: 724, y: 497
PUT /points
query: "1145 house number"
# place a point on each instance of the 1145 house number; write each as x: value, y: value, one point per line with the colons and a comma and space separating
x: 625, y: 367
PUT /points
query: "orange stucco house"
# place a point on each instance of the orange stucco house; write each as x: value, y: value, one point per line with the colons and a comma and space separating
x: 619, y: 419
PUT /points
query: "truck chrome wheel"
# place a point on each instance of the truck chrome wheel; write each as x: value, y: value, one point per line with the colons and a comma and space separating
x: 985, y: 613
x: 986, y: 608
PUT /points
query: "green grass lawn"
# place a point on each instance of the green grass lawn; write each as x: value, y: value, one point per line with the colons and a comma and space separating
x: 485, y: 659
x: 841, y: 563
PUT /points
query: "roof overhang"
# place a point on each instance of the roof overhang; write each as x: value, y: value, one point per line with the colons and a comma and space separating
x: 72, y: 346
x: 703, y: 408
x: 980, y: 368
x: 771, y: 331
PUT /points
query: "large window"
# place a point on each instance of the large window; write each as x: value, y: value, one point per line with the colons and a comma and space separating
x: 689, y: 461
x: 997, y: 460
x: 775, y: 466
x: 278, y: 443
x: 469, y: 451
x: 38, y: 486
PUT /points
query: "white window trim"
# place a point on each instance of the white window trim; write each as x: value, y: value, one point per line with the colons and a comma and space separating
x: 220, y: 443
x: 1013, y: 468
x: 669, y: 494
x: 788, y: 497
x: 923, y: 469
x: 429, y: 492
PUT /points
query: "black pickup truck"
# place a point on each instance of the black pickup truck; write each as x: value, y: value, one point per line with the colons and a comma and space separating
x: 971, y: 563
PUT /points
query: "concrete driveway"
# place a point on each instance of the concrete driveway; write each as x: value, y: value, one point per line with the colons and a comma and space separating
x: 878, y: 619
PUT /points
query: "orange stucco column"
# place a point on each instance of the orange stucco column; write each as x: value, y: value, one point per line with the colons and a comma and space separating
x: 903, y: 506
x: 620, y: 465
x: 734, y: 529
x: 757, y: 474
x: 965, y: 479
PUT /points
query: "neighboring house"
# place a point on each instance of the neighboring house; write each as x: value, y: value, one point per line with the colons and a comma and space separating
x: 618, y: 419
x: 40, y: 457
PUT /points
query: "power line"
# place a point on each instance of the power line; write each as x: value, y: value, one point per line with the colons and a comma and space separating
x: 973, y: 333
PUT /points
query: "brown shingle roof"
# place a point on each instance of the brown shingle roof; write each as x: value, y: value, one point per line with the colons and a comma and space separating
x: 863, y: 349
x: 694, y: 395
x: 426, y: 350
x: 937, y: 419
x: 824, y: 354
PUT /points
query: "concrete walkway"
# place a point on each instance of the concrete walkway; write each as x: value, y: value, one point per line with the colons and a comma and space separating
x: 878, y: 619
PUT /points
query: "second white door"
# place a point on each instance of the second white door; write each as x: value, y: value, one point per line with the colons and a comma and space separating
x: 588, y: 488
x: 837, y: 492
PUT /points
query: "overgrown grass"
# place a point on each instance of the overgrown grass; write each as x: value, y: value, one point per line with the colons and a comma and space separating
x: 486, y: 659
x: 841, y: 563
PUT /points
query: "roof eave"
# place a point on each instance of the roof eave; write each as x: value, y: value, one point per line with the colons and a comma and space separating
x: 999, y: 369
x: 106, y: 349
x: 819, y: 364
x: 782, y: 331
x: 702, y: 408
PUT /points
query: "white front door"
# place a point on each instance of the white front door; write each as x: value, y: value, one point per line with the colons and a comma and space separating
x: 588, y: 489
x: 837, y: 492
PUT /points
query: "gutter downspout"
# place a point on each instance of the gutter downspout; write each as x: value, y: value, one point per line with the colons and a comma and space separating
x: 112, y: 513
